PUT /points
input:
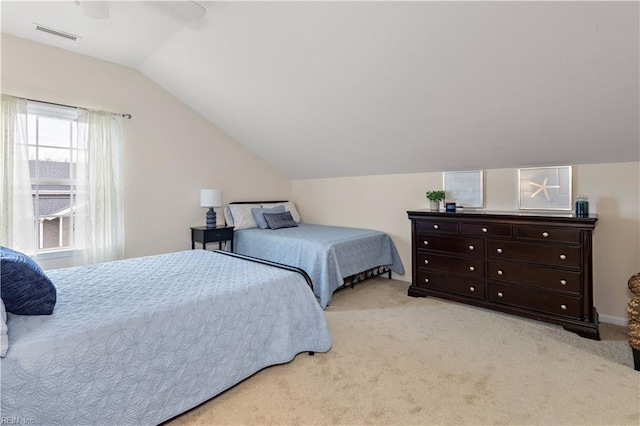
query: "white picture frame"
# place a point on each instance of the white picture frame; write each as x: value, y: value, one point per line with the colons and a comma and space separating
x: 465, y: 188
x: 545, y: 188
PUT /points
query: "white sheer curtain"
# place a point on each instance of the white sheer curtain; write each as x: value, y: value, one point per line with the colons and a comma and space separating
x: 99, y: 214
x: 17, y: 225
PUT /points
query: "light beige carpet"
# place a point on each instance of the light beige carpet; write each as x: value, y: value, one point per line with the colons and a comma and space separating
x: 402, y: 360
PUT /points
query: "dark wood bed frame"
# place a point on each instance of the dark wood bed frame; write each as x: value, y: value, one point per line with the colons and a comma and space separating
x: 349, y: 281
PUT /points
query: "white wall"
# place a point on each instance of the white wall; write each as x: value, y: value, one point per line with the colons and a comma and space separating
x: 170, y: 152
x: 381, y: 202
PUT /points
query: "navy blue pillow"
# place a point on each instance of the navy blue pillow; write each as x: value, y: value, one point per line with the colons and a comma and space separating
x: 258, y: 215
x: 280, y: 220
x: 25, y: 289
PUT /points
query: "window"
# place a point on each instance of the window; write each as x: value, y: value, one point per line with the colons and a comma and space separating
x: 62, y: 186
x: 53, y: 153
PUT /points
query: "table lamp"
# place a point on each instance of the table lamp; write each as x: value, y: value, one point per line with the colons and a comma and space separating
x: 211, y: 198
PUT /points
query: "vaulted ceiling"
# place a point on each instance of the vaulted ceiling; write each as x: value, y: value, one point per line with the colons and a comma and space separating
x: 326, y: 89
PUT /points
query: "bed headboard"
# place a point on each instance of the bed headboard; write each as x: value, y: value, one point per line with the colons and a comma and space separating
x: 258, y: 202
x: 228, y: 216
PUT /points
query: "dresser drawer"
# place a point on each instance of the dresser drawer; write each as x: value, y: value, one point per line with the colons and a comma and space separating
x: 536, y: 276
x: 465, y: 286
x: 549, y: 254
x: 536, y: 300
x: 486, y: 229
x: 542, y: 233
x: 459, y: 245
x: 221, y: 234
x: 460, y: 265
x: 437, y: 226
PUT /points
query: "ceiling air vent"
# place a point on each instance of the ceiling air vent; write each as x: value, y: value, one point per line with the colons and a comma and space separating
x: 55, y: 32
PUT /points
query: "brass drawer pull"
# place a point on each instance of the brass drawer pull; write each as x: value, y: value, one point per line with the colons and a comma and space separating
x: 500, y: 294
x: 499, y: 250
x: 471, y: 247
x: 472, y: 268
x: 563, y: 307
x: 563, y: 257
x: 563, y: 282
x: 484, y: 229
x: 472, y: 289
x: 500, y: 272
x: 545, y: 234
x: 435, y: 227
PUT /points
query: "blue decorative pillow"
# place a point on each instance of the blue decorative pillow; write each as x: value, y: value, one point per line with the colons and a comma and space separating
x: 280, y: 220
x: 25, y: 289
x: 258, y: 215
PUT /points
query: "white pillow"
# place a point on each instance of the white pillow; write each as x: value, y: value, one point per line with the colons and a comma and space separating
x: 242, y: 217
x: 228, y: 218
x: 4, y: 336
x: 288, y: 206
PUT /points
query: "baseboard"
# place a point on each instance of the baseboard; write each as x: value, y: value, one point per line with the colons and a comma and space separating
x: 400, y: 277
x: 610, y: 319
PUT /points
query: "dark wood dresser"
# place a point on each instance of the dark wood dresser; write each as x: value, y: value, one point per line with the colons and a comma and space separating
x: 535, y: 265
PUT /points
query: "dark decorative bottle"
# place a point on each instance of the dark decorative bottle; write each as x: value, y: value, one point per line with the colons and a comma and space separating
x: 582, y: 206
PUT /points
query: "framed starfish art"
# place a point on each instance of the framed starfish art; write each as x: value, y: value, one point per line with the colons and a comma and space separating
x: 545, y: 188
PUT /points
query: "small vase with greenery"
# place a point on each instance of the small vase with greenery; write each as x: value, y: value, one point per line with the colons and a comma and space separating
x: 435, y: 197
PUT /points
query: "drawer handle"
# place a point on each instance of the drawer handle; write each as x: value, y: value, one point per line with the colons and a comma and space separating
x: 563, y: 282
x: 563, y: 307
x: 426, y: 280
x: 563, y: 256
x: 472, y: 268
x: 426, y: 243
x: 499, y: 250
x: 500, y: 294
x: 545, y: 234
x: 435, y: 227
x: 426, y: 262
x: 500, y: 272
x: 471, y: 247
x: 484, y: 229
x: 472, y: 289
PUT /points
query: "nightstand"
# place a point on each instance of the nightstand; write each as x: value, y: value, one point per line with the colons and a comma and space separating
x: 204, y: 235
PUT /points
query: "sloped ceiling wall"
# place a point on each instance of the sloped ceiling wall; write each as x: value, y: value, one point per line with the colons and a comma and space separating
x: 331, y: 89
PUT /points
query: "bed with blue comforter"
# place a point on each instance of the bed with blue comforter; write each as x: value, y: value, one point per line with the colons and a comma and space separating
x: 328, y: 254
x: 142, y: 340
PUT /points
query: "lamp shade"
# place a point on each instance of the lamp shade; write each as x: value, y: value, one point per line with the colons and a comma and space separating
x: 210, y: 198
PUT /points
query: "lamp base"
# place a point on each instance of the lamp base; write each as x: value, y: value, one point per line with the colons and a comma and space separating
x: 211, y: 218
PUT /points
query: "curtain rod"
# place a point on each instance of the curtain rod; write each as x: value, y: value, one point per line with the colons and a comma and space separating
x: 127, y: 116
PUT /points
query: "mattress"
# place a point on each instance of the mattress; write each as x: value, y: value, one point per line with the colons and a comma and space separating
x: 327, y: 253
x: 142, y: 340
